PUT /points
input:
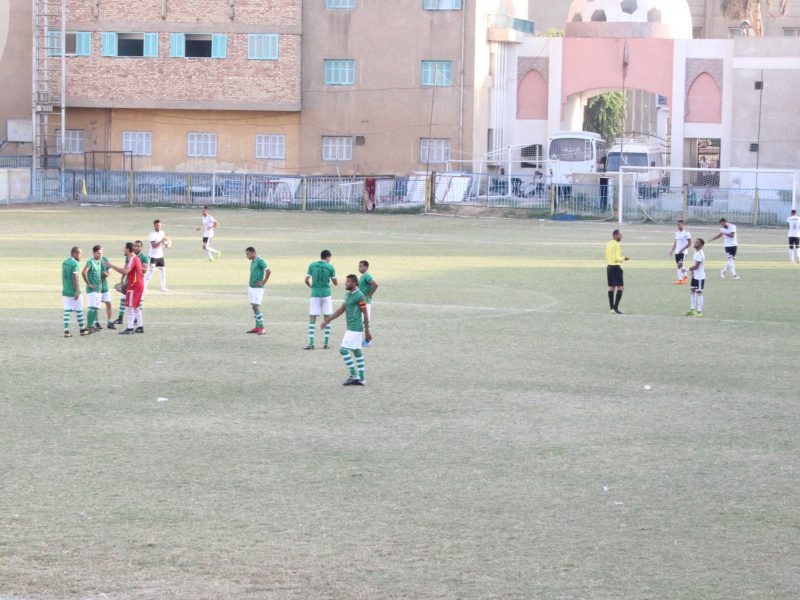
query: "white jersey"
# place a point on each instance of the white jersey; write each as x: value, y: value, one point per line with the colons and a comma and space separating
x: 683, y: 241
x: 700, y: 272
x: 729, y: 241
x: 157, y: 236
x: 794, y: 226
x: 208, y: 226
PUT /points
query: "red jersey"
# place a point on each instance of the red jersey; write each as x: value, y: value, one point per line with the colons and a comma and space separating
x: 135, y: 279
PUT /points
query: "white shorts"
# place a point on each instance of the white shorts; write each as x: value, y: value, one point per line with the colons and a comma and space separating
x: 320, y: 306
x: 106, y: 297
x: 255, y: 295
x: 71, y: 304
x: 352, y: 340
x: 93, y: 299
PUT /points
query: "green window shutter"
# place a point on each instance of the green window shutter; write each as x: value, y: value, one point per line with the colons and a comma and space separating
x: 219, y: 45
x: 109, y: 44
x: 177, y: 45
x: 151, y: 44
x: 83, y: 43
x: 53, y: 43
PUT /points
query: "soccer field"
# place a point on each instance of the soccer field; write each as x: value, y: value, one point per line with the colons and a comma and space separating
x: 506, y: 445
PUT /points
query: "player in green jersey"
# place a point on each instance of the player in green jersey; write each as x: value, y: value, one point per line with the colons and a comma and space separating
x: 93, y: 277
x: 259, y: 274
x: 367, y: 286
x: 71, y: 291
x: 319, y: 277
x: 354, y: 308
x: 137, y: 248
x: 105, y: 296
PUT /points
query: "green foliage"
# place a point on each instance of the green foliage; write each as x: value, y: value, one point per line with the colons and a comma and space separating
x: 604, y: 115
x: 553, y: 32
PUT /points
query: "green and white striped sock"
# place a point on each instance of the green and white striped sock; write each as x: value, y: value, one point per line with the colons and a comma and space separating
x: 66, y: 319
x: 348, y: 361
x: 311, y: 332
x: 92, y: 317
x: 121, y: 308
x: 81, y: 320
x: 259, y: 319
x: 360, y: 364
x: 327, y: 334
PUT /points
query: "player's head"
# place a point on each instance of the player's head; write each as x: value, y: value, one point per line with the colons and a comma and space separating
x: 137, y: 246
x: 351, y: 283
x: 723, y: 222
x: 97, y: 252
x: 205, y: 211
x: 794, y: 212
x: 157, y: 225
x: 76, y: 252
x: 250, y: 252
x: 325, y: 255
x: 681, y: 224
x: 617, y: 235
x: 129, y: 250
x: 699, y: 243
x: 363, y: 266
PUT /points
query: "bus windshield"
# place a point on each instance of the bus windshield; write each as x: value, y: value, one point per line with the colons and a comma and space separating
x: 629, y: 159
x: 571, y: 149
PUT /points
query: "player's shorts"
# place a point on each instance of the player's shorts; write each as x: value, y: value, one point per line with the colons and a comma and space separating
x: 698, y: 284
x: 320, y: 306
x: 156, y: 262
x: 206, y: 239
x: 352, y: 340
x: 133, y: 298
x: 794, y: 242
x: 93, y: 299
x: 369, y: 312
x: 71, y: 303
x: 614, y: 275
x: 255, y: 295
x: 679, y: 257
x: 730, y: 251
x: 105, y: 297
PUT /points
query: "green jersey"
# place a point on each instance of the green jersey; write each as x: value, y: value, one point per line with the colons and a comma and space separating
x: 104, y: 285
x: 93, y: 275
x: 365, y: 286
x: 352, y: 310
x: 145, y: 260
x: 258, y: 268
x: 68, y: 268
x: 321, y: 273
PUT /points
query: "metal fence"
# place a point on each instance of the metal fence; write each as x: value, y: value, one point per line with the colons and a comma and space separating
x: 15, y: 161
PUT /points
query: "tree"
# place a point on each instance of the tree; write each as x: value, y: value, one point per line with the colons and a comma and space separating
x: 604, y: 115
x: 752, y: 12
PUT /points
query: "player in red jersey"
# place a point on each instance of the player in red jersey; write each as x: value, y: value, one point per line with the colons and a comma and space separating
x: 133, y: 296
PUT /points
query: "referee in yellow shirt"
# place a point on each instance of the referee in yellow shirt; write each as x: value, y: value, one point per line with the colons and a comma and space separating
x: 614, y: 260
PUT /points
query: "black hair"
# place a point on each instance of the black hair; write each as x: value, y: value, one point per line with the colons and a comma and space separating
x: 353, y: 277
x: 129, y: 246
x: 325, y: 254
x: 364, y: 262
x: 96, y: 248
x: 250, y: 249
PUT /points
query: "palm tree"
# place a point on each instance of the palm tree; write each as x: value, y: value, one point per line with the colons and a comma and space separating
x: 751, y: 11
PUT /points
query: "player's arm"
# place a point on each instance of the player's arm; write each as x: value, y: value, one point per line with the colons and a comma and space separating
x: 334, y: 281
x: 76, y: 284
x: 373, y: 288
x: 85, y: 278
x: 365, y: 316
x: 308, y: 280
x: 263, y: 282
x: 215, y: 224
x: 716, y: 237
x: 335, y: 315
x: 695, y: 266
x: 687, y: 246
x: 672, y: 249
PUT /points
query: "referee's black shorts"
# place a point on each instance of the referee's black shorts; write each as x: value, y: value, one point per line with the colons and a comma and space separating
x: 614, y: 274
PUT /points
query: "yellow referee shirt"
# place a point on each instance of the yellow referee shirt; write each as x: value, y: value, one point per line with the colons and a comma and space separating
x: 614, y: 253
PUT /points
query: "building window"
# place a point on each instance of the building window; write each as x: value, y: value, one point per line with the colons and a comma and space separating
x: 437, y: 72
x: 270, y: 146
x: 340, y: 72
x: 791, y: 32
x: 737, y: 32
x: 198, y: 45
x: 202, y: 145
x: 78, y: 43
x: 72, y: 142
x: 532, y: 156
x: 262, y: 46
x: 441, y: 4
x: 138, y: 143
x: 129, y: 44
x: 697, y: 33
x: 340, y: 4
x: 434, y: 150
x: 337, y: 148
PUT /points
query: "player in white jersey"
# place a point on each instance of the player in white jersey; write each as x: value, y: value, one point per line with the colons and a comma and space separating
x: 698, y: 273
x: 158, y: 241
x: 794, y: 237
x: 681, y: 245
x: 208, y: 227
x: 728, y: 230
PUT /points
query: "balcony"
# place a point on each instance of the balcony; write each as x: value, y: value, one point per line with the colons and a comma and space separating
x: 509, y: 30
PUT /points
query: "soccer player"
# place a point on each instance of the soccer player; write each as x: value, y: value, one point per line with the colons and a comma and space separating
x: 259, y: 274
x: 105, y: 296
x: 319, y: 277
x: 355, y: 309
x: 71, y: 291
x: 138, y: 247
x: 698, y: 272
x: 367, y: 286
x: 614, y: 260
x: 157, y: 240
x: 208, y: 227
x: 133, y: 297
x: 729, y: 231
x: 93, y: 277
x: 681, y: 245
x: 794, y: 237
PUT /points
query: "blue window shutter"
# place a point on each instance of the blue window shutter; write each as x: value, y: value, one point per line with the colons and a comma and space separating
x: 274, y: 47
x: 151, y: 44
x: 109, y: 44
x: 83, y: 43
x: 219, y: 45
x: 177, y: 45
x: 252, y: 45
x: 53, y: 43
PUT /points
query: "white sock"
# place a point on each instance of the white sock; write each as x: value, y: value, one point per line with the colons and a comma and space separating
x: 693, y: 301
x: 210, y: 253
x: 791, y: 255
x: 149, y: 274
x: 731, y: 266
x: 163, y: 276
x: 131, y: 317
x: 139, y: 317
x: 680, y: 275
x: 699, y: 302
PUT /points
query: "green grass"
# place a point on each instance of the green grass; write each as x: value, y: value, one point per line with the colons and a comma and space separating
x: 504, y: 448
